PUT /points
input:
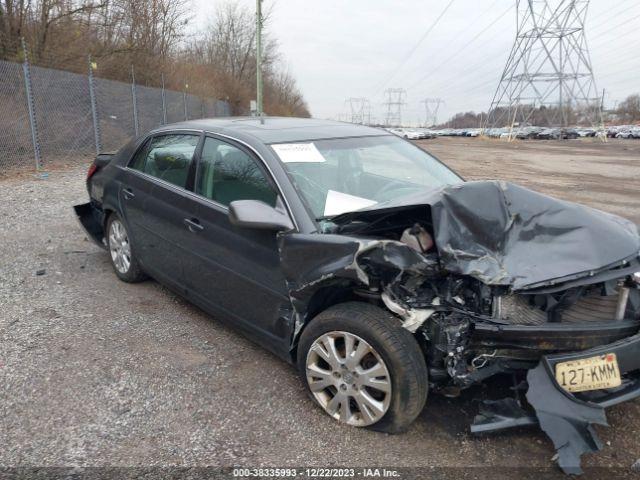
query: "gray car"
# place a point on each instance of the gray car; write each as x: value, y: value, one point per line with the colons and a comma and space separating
x: 379, y: 272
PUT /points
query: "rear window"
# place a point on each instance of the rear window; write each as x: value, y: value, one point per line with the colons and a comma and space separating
x: 167, y: 157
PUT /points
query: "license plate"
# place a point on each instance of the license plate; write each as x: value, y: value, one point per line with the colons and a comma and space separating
x: 593, y: 373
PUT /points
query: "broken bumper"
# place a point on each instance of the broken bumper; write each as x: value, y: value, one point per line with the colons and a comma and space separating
x: 90, y: 219
x: 568, y: 418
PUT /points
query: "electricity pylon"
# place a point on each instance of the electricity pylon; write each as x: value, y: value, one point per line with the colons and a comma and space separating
x: 431, y: 106
x: 395, y: 101
x: 360, y: 109
x: 548, y: 79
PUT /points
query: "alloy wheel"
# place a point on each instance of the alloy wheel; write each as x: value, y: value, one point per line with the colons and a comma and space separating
x: 119, y: 246
x: 348, y: 378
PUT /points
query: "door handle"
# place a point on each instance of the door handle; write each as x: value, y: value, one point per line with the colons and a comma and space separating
x: 128, y: 194
x: 193, y: 224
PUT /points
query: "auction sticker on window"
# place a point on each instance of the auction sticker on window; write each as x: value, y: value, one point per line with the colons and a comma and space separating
x: 593, y: 373
x: 298, y: 153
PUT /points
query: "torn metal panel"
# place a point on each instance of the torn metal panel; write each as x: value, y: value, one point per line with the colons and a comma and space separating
x: 310, y: 260
x: 568, y: 424
x: 501, y: 414
x: 314, y: 262
x: 568, y: 418
x: 91, y: 220
x: 500, y: 233
x: 413, y: 318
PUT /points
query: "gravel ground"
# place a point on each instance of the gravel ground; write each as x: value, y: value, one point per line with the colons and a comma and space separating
x: 96, y: 372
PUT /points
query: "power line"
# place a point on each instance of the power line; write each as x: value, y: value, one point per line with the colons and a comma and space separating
x: 613, y: 14
x: 449, y: 57
x: 625, y: 58
x: 414, y: 48
x: 627, y: 70
x: 470, y: 70
x: 475, y: 20
x: 616, y: 27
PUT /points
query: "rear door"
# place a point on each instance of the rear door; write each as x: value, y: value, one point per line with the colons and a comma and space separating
x: 157, y: 202
x: 237, y: 270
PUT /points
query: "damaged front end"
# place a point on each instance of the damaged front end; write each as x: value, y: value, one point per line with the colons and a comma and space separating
x: 492, y: 278
x: 582, y: 354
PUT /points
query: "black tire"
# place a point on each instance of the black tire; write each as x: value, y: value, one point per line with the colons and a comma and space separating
x: 397, y: 347
x: 134, y: 273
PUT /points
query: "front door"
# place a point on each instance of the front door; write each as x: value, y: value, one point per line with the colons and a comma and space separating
x: 237, y: 270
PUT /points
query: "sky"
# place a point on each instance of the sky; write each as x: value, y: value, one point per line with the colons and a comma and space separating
x: 338, y: 49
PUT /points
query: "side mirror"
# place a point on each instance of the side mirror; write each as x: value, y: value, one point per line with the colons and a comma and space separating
x: 258, y: 215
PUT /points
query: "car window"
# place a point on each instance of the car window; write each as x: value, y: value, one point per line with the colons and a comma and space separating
x: 167, y: 157
x: 341, y: 175
x: 228, y: 173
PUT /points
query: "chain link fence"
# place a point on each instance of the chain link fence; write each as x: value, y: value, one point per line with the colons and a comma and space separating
x: 49, y: 115
x: 16, y: 146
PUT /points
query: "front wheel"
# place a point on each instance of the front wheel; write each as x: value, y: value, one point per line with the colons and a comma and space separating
x: 363, y: 368
x: 121, y: 253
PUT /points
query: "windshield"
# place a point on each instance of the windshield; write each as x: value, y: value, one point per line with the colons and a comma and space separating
x: 346, y: 174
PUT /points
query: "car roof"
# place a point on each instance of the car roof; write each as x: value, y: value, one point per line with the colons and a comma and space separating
x: 277, y: 129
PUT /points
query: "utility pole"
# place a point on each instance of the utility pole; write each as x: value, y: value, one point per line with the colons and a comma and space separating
x: 602, y: 130
x: 259, y: 58
x: 134, y: 102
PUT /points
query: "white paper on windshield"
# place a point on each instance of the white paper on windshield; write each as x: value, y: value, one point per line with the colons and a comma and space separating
x: 298, y: 153
x: 338, y: 202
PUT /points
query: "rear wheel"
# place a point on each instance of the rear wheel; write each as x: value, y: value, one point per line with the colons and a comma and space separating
x: 121, y: 253
x: 363, y: 368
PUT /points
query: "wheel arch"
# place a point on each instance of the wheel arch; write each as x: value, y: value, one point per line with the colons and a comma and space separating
x: 329, y: 296
x: 106, y: 214
x: 323, y: 298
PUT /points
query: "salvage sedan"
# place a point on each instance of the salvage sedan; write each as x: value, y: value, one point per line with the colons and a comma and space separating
x: 379, y: 272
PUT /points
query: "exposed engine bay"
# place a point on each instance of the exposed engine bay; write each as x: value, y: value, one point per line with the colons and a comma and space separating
x: 492, y: 278
x: 472, y: 325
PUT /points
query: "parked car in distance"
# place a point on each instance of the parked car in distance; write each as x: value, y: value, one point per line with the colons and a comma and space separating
x: 624, y: 134
x: 400, y: 132
x: 548, y: 134
x: 628, y: 132
x: 569, y: 133
x: 527, y: 133
x: 587, y: 132
x: 412, y: 134
x: 379, y: 272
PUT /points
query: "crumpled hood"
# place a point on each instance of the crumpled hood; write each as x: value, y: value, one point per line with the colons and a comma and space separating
x: 504, y: 234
